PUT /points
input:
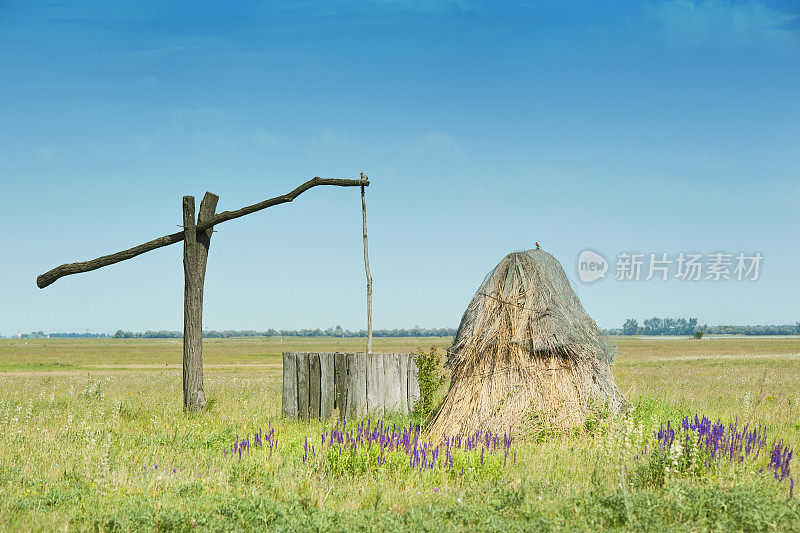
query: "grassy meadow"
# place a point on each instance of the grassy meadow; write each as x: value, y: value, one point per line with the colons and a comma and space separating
x: 93, y: 437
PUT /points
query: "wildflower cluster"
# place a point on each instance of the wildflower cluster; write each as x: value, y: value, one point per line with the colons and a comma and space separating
x: 779, y: 459
x: 366, y: 446
x: 698, y: 446
x: 715, y: 439
x: 260, y: 439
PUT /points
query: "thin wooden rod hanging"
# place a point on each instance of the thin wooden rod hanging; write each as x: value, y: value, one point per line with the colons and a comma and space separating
x: 366, y: 267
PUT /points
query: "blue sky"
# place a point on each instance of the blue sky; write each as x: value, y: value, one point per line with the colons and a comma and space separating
x: 485, y: 126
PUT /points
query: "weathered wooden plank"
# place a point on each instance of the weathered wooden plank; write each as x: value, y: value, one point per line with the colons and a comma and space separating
x: 351, y: 386
x: 391, y: 383
x: 361, y: 402
x: 289, y: 385
x: 413, y: 383
x: 402, y: 361
x: 356, y: 385
x: 375, y: 404
x: 340, y: 383
x: 313, y: 386
x: 302, y: 385
x: 327, y: 392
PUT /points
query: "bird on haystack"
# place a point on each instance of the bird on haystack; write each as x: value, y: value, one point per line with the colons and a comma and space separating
x: 537, y: 246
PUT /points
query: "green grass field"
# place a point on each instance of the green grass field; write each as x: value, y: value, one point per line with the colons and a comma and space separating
x: 92, y: 437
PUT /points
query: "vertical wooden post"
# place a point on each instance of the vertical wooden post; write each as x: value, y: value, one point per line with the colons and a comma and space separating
x: 302, y: 385
x: 340, y: 383
x: 403, y: 362
x: 289, y: 385
x: 326, y: 386
x: 375, y: 383
x: 366, y: 267
x: 195, y: 256
x: 313, y: 386
x: 413, y: 384
x: 392, y: 397
x: 356, y: 386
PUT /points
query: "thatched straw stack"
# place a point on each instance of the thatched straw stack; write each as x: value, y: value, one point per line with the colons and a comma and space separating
x: 525, y: 351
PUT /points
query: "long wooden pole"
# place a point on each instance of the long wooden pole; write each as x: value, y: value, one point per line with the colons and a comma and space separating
x: 85, y: 266
x: 366, y: 267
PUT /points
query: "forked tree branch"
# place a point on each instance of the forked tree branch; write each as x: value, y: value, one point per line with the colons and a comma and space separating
x: 85, y: 266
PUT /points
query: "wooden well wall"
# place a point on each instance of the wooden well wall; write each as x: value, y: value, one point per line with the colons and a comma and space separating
x: 357, y: 385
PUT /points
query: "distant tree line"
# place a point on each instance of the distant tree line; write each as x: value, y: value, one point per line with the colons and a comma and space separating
x: 689, y: 326
x: 43, y: 335
x: 651, y: 326
x: 338, y: 331
x: 772, y: 329
x: 330, y: 332
x: 660, y: 326
x: 79, y: 335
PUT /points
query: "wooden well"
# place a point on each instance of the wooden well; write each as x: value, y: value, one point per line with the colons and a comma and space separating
x: 358, y: 385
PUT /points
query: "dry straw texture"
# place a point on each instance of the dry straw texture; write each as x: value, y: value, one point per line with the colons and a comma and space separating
x: 525, y: 350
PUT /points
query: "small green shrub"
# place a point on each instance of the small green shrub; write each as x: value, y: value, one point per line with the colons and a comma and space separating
x: 211, y: 403
x: 93, y: 390
x: 599, y: 415
x: 431, y: 376
x: 130, y: 412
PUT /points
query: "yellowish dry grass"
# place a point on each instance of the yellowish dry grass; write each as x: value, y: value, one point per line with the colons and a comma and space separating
x: 78, y: 448
x: 80, y: 354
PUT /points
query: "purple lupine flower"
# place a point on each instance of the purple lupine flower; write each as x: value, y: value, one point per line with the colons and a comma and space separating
x: 423, y: 455
x: 731, y: 443
x: 779, y: 460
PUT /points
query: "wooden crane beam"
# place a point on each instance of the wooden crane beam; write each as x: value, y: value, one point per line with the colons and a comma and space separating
x: 85, y: 266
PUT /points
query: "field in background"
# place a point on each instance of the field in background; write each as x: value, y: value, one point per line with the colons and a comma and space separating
x: 88, y: 354
x: 92, y: 436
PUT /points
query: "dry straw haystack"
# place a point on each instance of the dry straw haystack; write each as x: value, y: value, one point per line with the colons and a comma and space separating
x: 525, y: 349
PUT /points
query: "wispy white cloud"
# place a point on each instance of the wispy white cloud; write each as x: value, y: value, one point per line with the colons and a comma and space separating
x: 163, y: 51
x: 425, y: 6
x: 204, y: 128
x: 724, y: 23
x: 334, y: 149
x: 344, y: 6
x: 144, y: 142
x: 198, y: 121
x: 436, y: 144
x: 45, y: 156
x: 204, y: 115
x: 264, y: 138
x: 207, y: 127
